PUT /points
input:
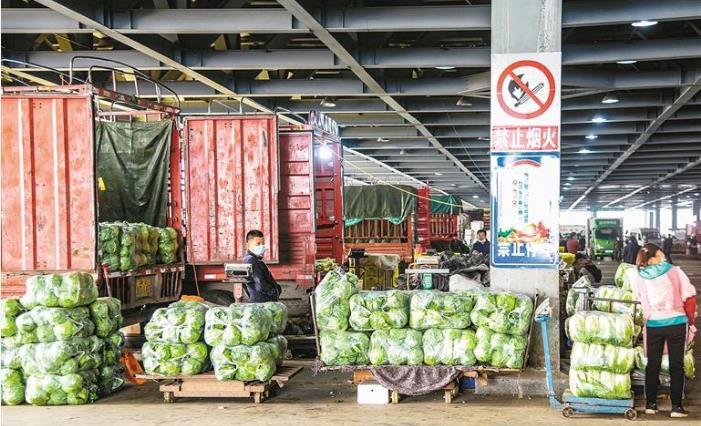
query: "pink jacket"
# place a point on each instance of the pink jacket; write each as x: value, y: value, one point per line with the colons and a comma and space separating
x: 661, y: 299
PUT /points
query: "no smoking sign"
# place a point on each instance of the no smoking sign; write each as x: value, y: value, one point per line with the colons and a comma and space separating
x: 525, y: 89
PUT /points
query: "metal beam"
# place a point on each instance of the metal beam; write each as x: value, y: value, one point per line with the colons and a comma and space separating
x: 116, y: 35
x: 584, y: 13
x: 692, y: 188
x: 686, y: 94
x: 325, y: 36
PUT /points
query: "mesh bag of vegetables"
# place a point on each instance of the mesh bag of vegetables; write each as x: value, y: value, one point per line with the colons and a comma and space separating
x: 625, y: 274
x: 436, y: 309
x: 65, y: 291
x: 333, y: 300
x: 449, y: 347
x: 172, y: 359
x: 10, y: 354
x: 42, y: 325
x: 499, y: 349
x: 151, y: 249
x: 396, y: 347
x: 167, y: 245
x: 689, y: 363
x: 110, y: 378
x: 599, y: 384
x: 11, y: 386
x: 243, y: 362
x: 106, y: 313
x: 503, y: 312
x: 109, y: 237
x: 379, y: 310
x: 278, y: 314
x: 62, y: 357
x: 602, y: 328
x: 114, y: 343
x: 243, y: 323
x: 178, y: 323
x: 591, y: 356
x: 134, y: 246
x: 613, y: 292
x: 344, y: 348
x: 278, y: 346
x: 68, y: 389
x: 10, y: 309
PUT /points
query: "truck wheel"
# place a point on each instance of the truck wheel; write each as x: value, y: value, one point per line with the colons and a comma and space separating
x: 219, y: 297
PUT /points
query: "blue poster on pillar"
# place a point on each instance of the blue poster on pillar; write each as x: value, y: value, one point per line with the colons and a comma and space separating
x: 525, y: 210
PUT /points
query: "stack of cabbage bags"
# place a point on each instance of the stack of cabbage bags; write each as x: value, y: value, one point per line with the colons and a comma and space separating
x: 616, y: 293
x: 625, y: 274
x: 246, y: 340
x: 689, y: 363
x: 502, y: 320
x: 602, y: 354
x: 379, y: 310
x: 174, y: 340
x: 60, y: 343
x: 124, y: 246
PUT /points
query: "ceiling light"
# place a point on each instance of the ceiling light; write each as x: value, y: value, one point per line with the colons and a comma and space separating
x: 325, y: 152
x: 697, y: 194
x: 476, y: 197
x: 328, y: 102
x: 463, y: 101
x: 381, y: 139
x: 584, y: 151
x: 438, y: 173
x: 627, y: 62
x: 570, y: 177
x: 568, y: 184
x: 610, y: 99
x: 598, y: 120
x: 591, y: 137
x: 402, y: 151
x: 483, y: 138
x: 445, y: 67
x: 453, y: 185
x: 643, y: 23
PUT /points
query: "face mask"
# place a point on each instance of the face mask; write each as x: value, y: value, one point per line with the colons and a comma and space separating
x: 258, y: 250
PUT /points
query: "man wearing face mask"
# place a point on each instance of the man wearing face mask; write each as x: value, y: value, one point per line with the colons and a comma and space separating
x: 261, y: 286
x: 481, y: 245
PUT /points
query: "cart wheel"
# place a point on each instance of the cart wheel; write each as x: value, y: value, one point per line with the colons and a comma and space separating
x: 567, y: 411
x: 395, y: 397
x: 168, y: 397
x: 448, y: 397
x: 631, y: 414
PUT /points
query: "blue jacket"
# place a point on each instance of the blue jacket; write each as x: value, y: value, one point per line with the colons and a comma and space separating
x: 482, y: 247
x: 261, y: 286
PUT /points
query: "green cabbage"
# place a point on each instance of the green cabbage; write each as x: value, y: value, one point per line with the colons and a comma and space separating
x: 135, y: 249
x: 689, y: 362
x: 602, y: 328
x: 278, y: 313
x: 69, y: 389
x: 172, y: 359
x: 436, y: 309
x: 591, y: 356
x: 10, y: 309
x: 344, y: 348
x: 599, y: 384
x: 503, y: 312
x: 379, y: 310
x: 106, y: 313
x: 396, y: 347
x: 10, y: 354
x: 110, y: 378
x: 109, y: 237
x: 113, y: 348
x: 167, y: 245
x: 278, y: 346
x: 42, y: 325
x: 625, y: 274
x: 62, y: 357
x: 66, y: 291
x: 178, y: 323
x: 500, y: 350
x: 332, y: 300
x: 243, y: 323
x: 613, y: 292
x: 449, y: 347
x: 11, y: 386
x: 244, y: 362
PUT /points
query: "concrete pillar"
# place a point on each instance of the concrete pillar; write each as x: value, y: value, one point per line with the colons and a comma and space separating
x: 651, y: 219
x: 657, y: 217
x: 697, y: 209
x: 523, y: 26
x: 675, y: 212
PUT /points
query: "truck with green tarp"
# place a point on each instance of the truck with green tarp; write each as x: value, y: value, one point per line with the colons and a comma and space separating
x: 603, y: 236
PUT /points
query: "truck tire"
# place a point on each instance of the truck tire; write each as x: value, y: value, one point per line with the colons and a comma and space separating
x: 219, y: 297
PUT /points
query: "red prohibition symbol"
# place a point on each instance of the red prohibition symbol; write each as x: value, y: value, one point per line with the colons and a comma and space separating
x: 528, y: 92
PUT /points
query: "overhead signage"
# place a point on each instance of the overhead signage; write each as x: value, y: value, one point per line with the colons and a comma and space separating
x: 324, y: 123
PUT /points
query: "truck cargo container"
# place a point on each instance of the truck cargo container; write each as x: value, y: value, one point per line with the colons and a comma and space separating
x: 603, y: 235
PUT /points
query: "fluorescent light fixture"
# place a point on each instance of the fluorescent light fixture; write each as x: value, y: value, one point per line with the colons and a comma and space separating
x: 325, y: 152
x: 610, y: 98
x: 584, y: 151
x: 476, y: 197
x: 643, y: 23
x: 463, y: 101
x: 568, y: 184
x: 438, y: 173
x: 328, y: 102
x: 483, y: 138
x: 402, y: 151
x: 445, y: 67
x: 627, y: 62
x: 381, y: 139
x: 570, y: 177
x: 598, y: 119
x: 590, y: 137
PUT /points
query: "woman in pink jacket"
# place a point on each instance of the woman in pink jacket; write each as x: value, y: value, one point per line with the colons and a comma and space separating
x: 669, y: 308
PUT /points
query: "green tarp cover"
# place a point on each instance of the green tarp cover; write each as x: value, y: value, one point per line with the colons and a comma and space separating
x: 440, y: 204
x: 133, y: 160
x: 377, y: 202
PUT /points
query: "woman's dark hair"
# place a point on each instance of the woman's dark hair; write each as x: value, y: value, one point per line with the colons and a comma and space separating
x: 647, y: 252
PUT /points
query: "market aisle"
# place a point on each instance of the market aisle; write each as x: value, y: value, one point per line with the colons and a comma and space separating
x: 330, y: 399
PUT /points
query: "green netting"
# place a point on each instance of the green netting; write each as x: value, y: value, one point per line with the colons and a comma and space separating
x: 378, y: 202
x: 132, y: 167
x: 445, y: 204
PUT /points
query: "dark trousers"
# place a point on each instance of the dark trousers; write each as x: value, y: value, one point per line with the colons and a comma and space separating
x: 675, y: 336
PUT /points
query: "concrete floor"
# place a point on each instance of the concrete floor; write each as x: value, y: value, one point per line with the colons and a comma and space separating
x: 330, y: 399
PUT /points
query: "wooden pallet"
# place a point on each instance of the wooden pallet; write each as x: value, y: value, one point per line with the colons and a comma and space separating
x: 206, y: 385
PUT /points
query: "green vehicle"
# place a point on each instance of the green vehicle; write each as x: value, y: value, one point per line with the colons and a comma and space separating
x: 603, y: 236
